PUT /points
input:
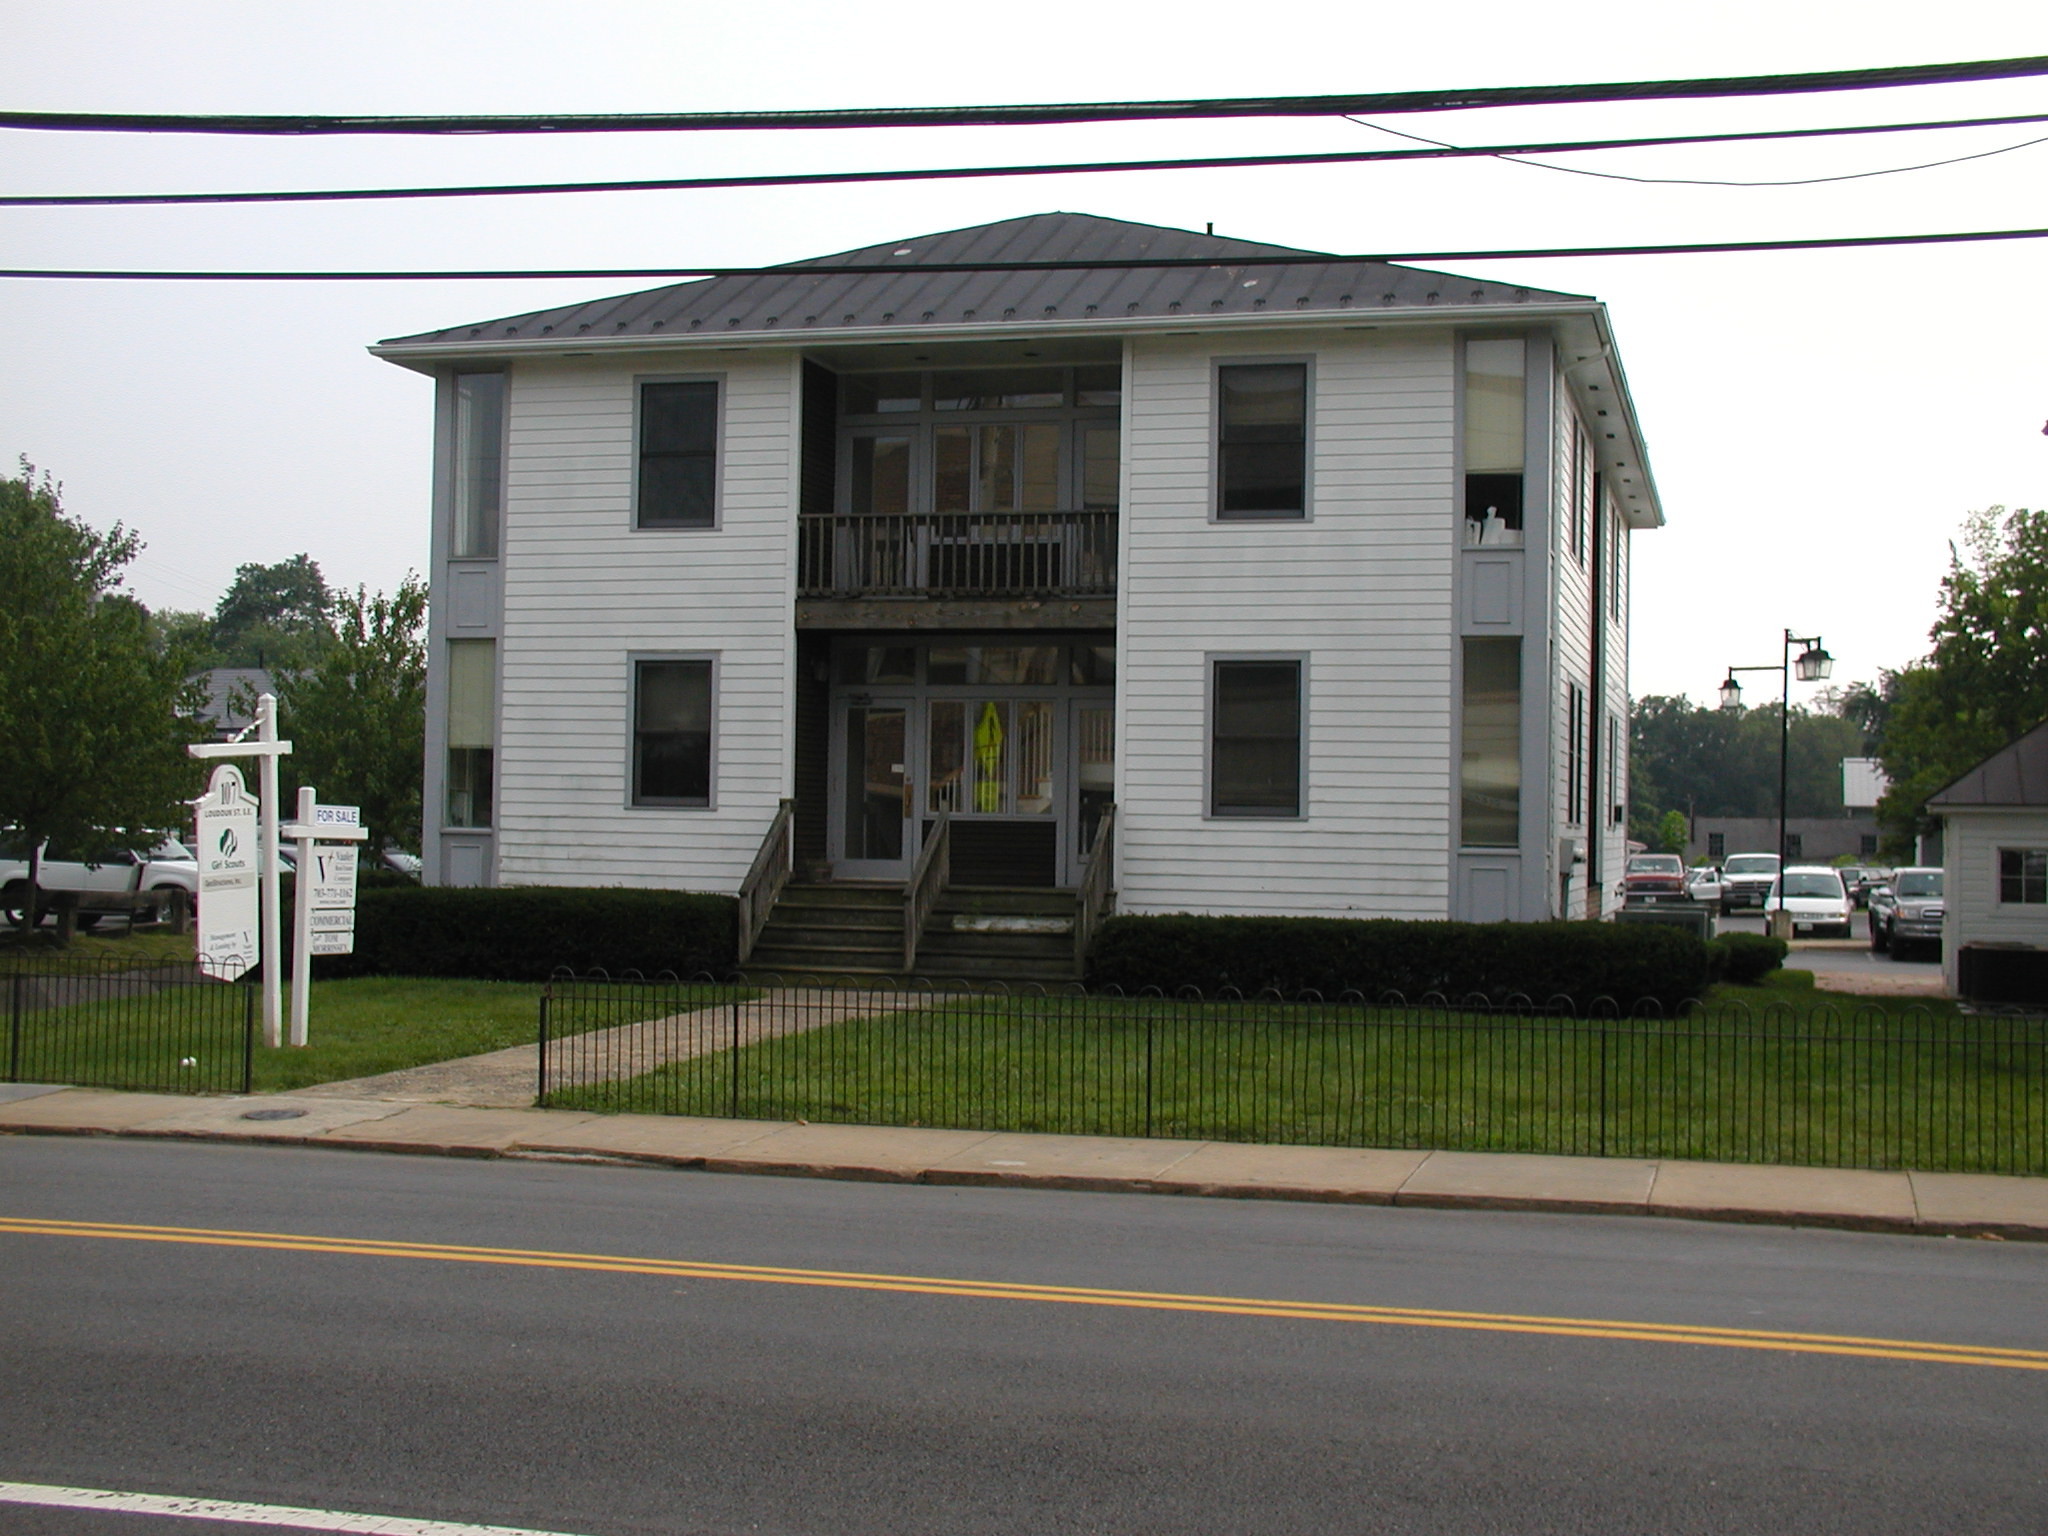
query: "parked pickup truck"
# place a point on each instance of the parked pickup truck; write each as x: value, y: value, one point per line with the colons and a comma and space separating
x: 1653, y: 880
x: 120, y: 874
x: 1746, y: 879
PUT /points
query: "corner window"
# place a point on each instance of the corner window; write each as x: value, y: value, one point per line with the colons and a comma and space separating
x: 479, y: 492
x: 1255, y: 752
x: 472, y: 731
x: 1262, y: 440
x: 678, y: 484
x: 1490, y: 751
x: 2023, y: 876
x: 672, y: 732
x: 1496, y: 439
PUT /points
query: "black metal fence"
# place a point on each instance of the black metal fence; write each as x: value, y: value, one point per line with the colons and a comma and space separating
x: 1874, y: 1089
x: 165, y: 1028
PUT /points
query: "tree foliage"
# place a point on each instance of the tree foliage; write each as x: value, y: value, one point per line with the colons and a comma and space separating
x: 357, y: 717
x: 1714, y: 762
x: 94, y: 714
x: 1985, y: 681
x: 276, y: 616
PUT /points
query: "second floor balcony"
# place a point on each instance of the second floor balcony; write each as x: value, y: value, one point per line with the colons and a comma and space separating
x: 1004, y: 555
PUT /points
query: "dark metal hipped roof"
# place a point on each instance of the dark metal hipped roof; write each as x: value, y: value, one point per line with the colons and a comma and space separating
x: 2016, y: 774
x: 813, y: 303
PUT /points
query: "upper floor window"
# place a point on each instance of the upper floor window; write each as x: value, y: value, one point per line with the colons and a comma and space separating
x: 1496, y: 440
x: 678, y: 484
x: 479, y: 493
x: 1261, y: 440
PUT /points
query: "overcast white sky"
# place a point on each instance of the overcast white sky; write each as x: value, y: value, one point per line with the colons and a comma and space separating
x: 1819, y: 423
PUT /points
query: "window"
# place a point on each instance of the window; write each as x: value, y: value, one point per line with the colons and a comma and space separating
x: 1866, y: 845
x: 2023, y: 876
x: 678, y: 455
x: 1717, y: 846
x: 472, y: 731
x: 1495, y: 441
x: 1584, y: 486
x: 1795, y: 845
x: 1615, y: 778
x: 1255, y: 737
x: 1262, y: 440
x: 479, y: 495
x: 672, y: 732
x: 1490, y: 752
x: 1617, y: 548
x: 1575, y: 755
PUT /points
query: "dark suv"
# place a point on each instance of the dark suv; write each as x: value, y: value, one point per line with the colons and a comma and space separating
x: 1907, y: 912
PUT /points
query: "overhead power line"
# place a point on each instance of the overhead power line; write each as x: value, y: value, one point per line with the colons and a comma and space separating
x: 1142, y: 263
x: 1438, y: 151
x: 1382, y: 102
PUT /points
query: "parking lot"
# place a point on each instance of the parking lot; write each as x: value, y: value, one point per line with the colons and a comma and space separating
x: 1851, y: 965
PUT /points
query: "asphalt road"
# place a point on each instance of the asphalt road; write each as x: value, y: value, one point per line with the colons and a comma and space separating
x: 820, y: 1395
x: 1843, y: 957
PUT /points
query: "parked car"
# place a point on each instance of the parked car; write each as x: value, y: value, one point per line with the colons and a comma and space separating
x: 1703, y: 885
x: 1746, y: 879
x: 1868, y: 879
x: 1816, y: 900
x: 1653, y: 879
x: 1907, y: 912
x: 168, y: 865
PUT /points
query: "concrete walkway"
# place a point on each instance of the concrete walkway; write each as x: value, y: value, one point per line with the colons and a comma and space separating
x: 1968, y: 1205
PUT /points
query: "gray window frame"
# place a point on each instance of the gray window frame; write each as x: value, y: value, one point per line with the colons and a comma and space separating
x: 633, y: 801
x: 718, y: 453
x: 455, y: 456
x: 1210, y: 660
x: 1307, y: 362
x: 2024, y: 877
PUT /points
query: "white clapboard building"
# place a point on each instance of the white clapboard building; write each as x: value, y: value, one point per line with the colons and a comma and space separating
x: 1315, y: 570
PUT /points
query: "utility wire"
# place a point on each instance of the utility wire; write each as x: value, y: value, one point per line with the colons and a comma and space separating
x: 1513, y: 157
x: 1439, y: 151
x: 1140, y: 263
x: 1069, y: 112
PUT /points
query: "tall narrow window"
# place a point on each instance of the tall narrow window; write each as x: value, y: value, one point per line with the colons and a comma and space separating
x: 479, y: 465
x: 1262, y: 440
x: 1617, y: 782
x: 1575, y: 755
x: 1490, y: 756
x: 672, y: 732
x: 1495, y: 440
x: 1255, y: 738
x: 678, y: 455
x: 1584, y: 483
x: 472, y: 731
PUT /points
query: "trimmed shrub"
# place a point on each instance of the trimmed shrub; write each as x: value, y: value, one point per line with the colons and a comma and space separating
x: 523, y: 933
x: 1640, y: 968
x: 1746, y: 958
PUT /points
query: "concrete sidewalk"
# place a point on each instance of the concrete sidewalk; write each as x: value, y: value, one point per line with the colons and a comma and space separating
x: 1950, y: 1204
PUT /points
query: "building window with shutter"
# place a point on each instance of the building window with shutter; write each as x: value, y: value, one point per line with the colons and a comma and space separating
x: 472, y: 731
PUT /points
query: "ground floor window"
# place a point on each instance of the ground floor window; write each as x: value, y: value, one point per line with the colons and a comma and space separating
x: 1255, y: 720
x: 672, y: 731
x: 1490, y: 753
x: 2023, y: 876
x: 472, y: 731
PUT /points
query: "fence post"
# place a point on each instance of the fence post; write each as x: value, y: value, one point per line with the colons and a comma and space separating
x: 248, y: 1037
x: 540, y: 1096
x: 1151, y: 1022
x: 14, y: 1027
x: 732, y: 1070
x: 1603, y: 1089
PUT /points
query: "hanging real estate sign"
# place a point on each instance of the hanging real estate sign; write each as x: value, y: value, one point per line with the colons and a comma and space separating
x: 333, y: 890
x: 225, y: 844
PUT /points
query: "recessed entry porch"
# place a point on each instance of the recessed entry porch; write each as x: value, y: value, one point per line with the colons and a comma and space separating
x: 1010, y: 736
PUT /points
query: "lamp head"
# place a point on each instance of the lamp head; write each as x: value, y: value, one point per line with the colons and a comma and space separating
x: 1814, y: 664
x: 1731, y: 693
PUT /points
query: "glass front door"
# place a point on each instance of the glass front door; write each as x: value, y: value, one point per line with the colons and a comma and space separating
x: 876, y: 798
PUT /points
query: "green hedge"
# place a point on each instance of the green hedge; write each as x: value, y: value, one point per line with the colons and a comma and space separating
x: 1746, y: 958
x: 1641, y: 968
x: 523, y: 933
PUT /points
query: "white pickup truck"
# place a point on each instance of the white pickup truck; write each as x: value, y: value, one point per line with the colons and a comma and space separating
x: 126, y: 873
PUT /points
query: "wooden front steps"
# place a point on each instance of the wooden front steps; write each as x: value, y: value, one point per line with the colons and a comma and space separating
x: 976, y: 933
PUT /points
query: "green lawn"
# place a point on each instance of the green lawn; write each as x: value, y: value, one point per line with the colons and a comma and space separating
x: 1877, y: 1089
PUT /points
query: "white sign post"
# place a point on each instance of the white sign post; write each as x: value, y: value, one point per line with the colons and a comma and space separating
x: 324, y: 912
x: 266, y: 749
x: 226, y: 840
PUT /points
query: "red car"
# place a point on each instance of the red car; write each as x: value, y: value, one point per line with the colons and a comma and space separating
x: 1653, y: 879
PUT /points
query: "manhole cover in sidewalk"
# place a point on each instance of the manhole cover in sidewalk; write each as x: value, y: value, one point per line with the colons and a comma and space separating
x: 272, y: 1114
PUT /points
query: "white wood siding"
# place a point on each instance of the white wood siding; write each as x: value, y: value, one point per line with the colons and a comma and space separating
x: 585, y: 591
x: 1970, y: 843
x: 1364, y: 591
x: 1571, y: 654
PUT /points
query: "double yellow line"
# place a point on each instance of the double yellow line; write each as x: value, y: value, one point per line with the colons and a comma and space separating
x: 1072, y: 1295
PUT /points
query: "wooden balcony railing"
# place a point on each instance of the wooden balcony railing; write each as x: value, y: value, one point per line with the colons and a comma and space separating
x: 959, y: 554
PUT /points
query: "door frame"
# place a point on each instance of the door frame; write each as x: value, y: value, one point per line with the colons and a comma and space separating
x: 842, y: 705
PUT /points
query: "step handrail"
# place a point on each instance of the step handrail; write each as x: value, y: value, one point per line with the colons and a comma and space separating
x: 765, y: 880
x: 928, y: 880
x: 1095, y: 899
